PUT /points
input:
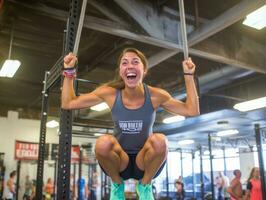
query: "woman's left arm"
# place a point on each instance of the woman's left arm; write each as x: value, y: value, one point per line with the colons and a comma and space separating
x: 192, y: 101
x: 191, y: 106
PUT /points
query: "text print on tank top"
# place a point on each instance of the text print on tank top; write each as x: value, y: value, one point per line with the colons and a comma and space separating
x: 132, y: 127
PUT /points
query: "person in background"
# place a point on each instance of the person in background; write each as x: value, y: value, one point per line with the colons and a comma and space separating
x: 221, y: 183
x: 72, y: 187
x: 235, y: 188
x: 254, y: 191
x: 218, y: 183
x: 226, y: 185
x: 28, y: 188
x: 82, y: 189
x: 33, y: 190
x: 10, y: 189
x: 94, y: 184
x: 49, y: 189
x: 180, y: 191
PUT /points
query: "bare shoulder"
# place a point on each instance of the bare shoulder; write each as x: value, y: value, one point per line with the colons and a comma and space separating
x: 107, y: 94
x: 234, y: 182
x: 158, y: 92
x: 158, y: 96
x: 105, y: 91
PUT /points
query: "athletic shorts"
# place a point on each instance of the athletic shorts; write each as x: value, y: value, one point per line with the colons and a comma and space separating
x: 132, y: 170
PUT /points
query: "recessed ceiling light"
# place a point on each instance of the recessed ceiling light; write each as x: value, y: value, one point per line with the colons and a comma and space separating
x: 9, y: 68
x: 185, y: 142
x: 217, y: 139
x: 256, y: 19
x: 227, y: 132
x: 98, y: 134
x: 100, y: 107
x: 173, y: 119
x: 251, y: 105
x: 52, y: 124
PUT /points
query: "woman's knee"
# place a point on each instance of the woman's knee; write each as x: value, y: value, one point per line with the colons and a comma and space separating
x: 104, y: 144
x: 159, y: 143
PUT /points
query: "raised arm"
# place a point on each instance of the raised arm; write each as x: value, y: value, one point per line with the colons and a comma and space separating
x: 69, y: 100
x: 191, y: 106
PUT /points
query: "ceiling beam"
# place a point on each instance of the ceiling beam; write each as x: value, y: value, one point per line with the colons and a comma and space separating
x: 25, y: 35
x: 106, y: 11
x: 144, y: 14
x: 188, y: 17
x: 223, y: 21
x: 113, y: 28
x: 38, y: 46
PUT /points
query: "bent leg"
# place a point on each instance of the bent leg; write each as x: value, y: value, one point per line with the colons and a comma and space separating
x: 111, y: 156
x: 152, y: 156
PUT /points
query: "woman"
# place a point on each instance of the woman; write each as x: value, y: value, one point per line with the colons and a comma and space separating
x: 28, y: 188
x: 254, y: 191
x: 49, y: 189
x: 10, y: 188
x: 180, y: 191
x: 134, y: 151
x: 221, y: 184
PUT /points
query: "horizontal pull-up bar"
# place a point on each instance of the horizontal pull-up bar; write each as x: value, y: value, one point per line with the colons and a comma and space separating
x: 87, y: 81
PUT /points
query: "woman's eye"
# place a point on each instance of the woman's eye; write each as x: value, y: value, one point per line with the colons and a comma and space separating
x: 124, y: 63
x: 135, y: 62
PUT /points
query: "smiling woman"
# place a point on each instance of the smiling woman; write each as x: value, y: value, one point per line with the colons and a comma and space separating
x: 138, y: 57
x: 134, y: 151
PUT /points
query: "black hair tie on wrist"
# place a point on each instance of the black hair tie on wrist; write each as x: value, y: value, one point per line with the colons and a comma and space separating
x: 70, y: 68
x: 189, y: 74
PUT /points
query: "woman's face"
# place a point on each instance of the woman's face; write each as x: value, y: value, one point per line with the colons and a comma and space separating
x: 178, y: 187
x: 256, y: 172
x: 131, y: 69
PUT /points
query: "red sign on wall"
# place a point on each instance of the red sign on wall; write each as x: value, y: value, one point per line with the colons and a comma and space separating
x: 75, y: 153
x: 26, y: 150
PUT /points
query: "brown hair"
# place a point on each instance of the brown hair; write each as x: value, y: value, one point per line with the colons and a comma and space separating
x: 118, y: 82
x: 13, y: 173
x: 251, y: 174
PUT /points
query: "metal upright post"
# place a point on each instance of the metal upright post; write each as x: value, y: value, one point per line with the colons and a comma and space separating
x: 80, y: 173
x: 258, y: 135
x: 65, y: 137
x: 167, y: 180
x: 193, y: 172
x: 55, y: 177
x: 224, y: 158
x: 201, y: 173
x: 74, y: 181
x: 181, y: 163
x: 102, y: 185
x: 41, y: 155
x: 18, y: 177
x: 210, y: 150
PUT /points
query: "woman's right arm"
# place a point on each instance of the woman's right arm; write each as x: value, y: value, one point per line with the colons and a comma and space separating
x: 69, y: 100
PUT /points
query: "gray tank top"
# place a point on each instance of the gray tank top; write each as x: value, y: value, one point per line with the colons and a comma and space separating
x: 132, y: 127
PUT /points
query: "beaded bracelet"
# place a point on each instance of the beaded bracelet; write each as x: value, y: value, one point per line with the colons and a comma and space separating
x: 70, y: 73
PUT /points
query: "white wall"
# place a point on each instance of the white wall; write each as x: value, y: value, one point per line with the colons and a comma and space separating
x: 247, y: 162
x: 11, y: 129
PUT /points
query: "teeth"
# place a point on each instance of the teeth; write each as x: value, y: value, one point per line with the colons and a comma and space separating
x: 131, y: 74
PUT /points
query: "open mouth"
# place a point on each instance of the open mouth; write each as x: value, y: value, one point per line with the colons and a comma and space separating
x: 131, y: 76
